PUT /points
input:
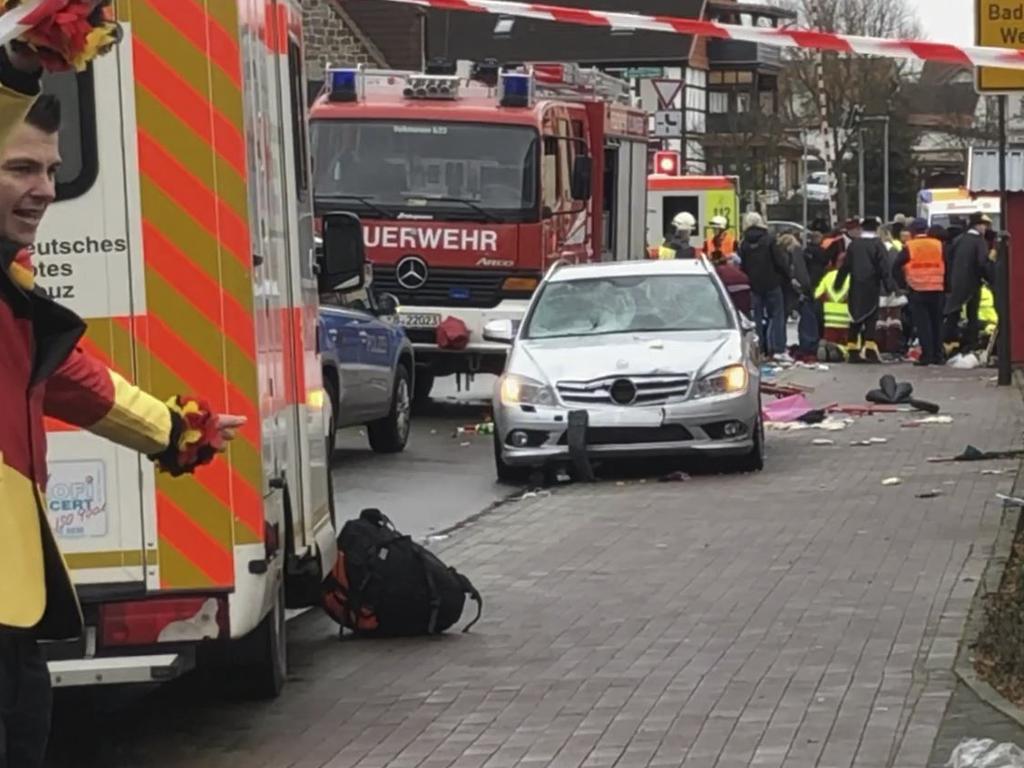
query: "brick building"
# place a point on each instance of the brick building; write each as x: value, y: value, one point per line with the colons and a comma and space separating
x: 365, y: 32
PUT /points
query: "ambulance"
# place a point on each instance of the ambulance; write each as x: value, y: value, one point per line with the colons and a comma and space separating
x: 705, y: 197
x: 182, y: 233
x: 954, y: 207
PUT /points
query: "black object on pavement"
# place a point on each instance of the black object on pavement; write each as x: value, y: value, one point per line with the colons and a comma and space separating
x: 384, y: 584
x: 972, y: 453
x: 577, y: 439
x: 891, y: 392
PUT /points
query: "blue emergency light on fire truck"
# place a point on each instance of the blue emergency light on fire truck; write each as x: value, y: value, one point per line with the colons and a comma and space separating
x: 471, y: 181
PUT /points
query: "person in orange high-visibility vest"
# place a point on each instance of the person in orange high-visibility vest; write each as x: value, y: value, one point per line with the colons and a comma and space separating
x: 722, y: 243
x: 921, y: 267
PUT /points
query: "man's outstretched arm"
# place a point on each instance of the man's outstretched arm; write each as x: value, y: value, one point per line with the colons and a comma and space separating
x: 179, y: 435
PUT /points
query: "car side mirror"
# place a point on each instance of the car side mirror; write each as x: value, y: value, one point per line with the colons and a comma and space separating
x: 387, y: 304
x: 582, y: 173
x: 342, y: 256
x: 500, y: 331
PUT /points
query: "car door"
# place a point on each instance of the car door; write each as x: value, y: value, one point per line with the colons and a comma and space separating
x: 378, y: 354
x: 345, y: 335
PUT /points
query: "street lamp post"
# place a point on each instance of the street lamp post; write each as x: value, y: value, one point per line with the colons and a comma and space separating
x: 884, y: 119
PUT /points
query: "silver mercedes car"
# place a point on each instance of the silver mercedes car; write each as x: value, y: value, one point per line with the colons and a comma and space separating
x: 637, y: 358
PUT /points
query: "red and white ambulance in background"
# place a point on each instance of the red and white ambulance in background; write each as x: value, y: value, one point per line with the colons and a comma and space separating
x: 705, y: 197
x: 471, y: 184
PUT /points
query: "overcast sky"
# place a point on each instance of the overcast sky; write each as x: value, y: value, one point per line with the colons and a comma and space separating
x: 955, y: 23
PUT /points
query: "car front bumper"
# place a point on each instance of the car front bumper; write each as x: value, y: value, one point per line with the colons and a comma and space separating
x: 692, y: 427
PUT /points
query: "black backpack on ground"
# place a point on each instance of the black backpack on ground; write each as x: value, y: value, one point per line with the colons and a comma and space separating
x: 385, y: 584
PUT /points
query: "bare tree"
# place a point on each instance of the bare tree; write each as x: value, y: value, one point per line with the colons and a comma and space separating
x: 873, y: 84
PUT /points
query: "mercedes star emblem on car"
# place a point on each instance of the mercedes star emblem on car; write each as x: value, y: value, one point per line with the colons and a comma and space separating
x: 411, y: 272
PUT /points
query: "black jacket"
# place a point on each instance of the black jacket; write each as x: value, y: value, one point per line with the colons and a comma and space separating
x: 801, y: 269
x: 763, y: 261
x: 817, y: 264
x: 967, y: 268
x: 867, y: 266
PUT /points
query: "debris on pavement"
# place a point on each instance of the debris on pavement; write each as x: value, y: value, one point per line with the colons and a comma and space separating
x: 986, y: 753
x: 929, y: 420
x: 828, y: 425
x: 786, y: 409
x: 870, y: 441
x: 891, y: 392
x: 869, y: 410
x: 674, y: 477
x: 966, y: 362
x: 934, y: 493
x: 1013, y: 500
x: 822, y: 441
x: 891, y: 481
x: 976, y: 454
x: 993, y: 472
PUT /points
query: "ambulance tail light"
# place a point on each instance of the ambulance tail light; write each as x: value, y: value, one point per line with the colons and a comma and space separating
x: 345, y: 85
x: 175, y: 619
x: 515, y: 89
x: 666, y: 163
x: 519, y: 286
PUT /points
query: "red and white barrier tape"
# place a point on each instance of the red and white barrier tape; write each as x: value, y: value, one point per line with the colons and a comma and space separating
x: 922, y: 50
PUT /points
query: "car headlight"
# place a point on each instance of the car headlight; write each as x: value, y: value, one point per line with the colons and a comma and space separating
x: 727, y: 381
x: 519, y: 390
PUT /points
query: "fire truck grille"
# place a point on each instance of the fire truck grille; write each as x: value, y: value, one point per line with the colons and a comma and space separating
x: 444, y: 287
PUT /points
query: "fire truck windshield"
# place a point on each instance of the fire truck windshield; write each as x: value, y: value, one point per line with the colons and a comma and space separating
x: 453, y: 171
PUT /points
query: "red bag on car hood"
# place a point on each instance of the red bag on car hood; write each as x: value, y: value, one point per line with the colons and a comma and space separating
x: 452, y: 333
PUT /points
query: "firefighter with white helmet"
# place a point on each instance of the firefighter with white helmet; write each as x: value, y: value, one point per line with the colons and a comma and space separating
x: 677, y: 245
x: 722, y: 243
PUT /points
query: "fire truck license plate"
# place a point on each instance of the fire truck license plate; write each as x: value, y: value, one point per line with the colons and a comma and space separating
x: 420, y: 319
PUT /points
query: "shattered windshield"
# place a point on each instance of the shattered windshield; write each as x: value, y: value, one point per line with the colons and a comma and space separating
x: 634, y: 304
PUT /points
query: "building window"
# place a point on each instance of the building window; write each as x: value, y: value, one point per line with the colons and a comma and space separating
x: 718, y: 102
x: 767, y: 102
x: 742, y: 102
x: 744, y: 77
x: 77, y: 137
x: 716, y: 78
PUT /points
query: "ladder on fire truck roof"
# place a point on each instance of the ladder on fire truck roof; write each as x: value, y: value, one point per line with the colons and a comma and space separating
x: 568, y: 80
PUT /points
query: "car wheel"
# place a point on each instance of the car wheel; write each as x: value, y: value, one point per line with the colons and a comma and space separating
x: 390, y: 434
x: 507, y: 475
x: 332, y: 417
x: 424, y: 385
x: 753, y: 461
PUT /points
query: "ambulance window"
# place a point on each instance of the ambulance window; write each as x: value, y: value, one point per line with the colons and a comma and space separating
x: 299, y: 134
x: 78, y: 148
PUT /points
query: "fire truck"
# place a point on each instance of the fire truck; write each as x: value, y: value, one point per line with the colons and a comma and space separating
x: 471, y: 183
x: 183, y: 234
x: 705, y: 197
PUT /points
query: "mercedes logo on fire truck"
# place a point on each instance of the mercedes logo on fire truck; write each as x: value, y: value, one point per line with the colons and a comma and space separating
x: 411, y: 272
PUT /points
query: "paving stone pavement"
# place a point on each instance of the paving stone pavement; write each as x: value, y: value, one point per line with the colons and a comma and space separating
x: 804, y: 616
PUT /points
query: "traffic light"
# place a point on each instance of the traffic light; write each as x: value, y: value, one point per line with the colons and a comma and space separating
x: 666, y: 163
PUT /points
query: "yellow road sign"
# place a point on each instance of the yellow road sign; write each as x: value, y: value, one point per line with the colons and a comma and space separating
x: 1000, y: 24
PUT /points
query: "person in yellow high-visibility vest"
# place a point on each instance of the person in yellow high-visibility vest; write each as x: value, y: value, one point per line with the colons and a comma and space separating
x: 678, y: 245
x: 987, y: 315
x: 836, y: 310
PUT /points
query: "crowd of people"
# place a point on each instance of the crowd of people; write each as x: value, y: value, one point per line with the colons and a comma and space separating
x: 860, y: 291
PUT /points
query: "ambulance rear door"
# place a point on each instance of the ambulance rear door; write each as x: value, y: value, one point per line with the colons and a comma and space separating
x: 100, y: 498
